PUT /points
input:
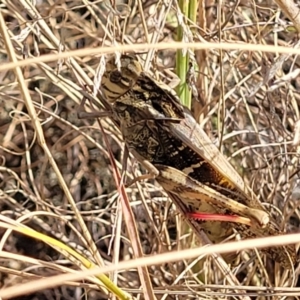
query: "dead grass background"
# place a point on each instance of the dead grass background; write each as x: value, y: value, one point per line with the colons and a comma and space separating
x: 247, y: 100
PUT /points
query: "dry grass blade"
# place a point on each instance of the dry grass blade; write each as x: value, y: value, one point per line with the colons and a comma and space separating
x: 161, y: 258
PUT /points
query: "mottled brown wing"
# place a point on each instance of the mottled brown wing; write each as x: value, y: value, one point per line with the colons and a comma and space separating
x: 213, y: 168
x: 222, y: 173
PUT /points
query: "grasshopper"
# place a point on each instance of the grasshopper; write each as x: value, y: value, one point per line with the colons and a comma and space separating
x: 165, y: 138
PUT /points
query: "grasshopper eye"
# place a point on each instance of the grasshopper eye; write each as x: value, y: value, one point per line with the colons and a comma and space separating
x: 115, y: 76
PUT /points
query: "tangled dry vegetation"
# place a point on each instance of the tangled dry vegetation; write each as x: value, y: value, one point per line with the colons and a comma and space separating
x: 247, y: 100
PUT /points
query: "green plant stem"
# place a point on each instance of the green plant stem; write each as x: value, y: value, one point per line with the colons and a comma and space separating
x: 189, y: 10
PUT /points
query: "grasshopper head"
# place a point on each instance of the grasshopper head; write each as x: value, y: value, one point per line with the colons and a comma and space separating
x: 117, y: 81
